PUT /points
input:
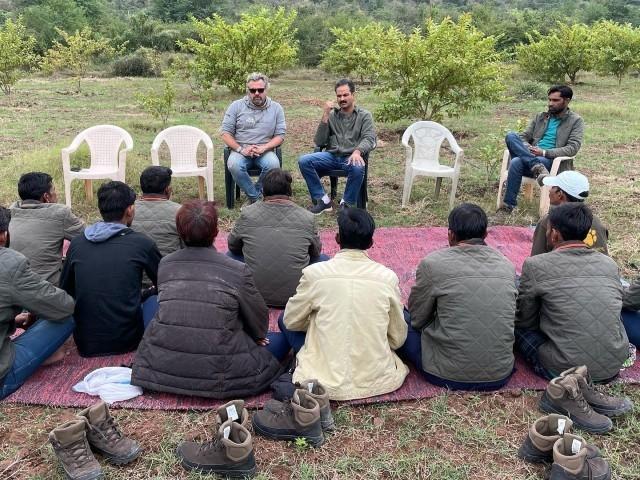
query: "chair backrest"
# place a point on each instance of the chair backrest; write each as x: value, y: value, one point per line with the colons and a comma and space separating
x: 427, y: 139
x: 104, y: 143
x: 182, y: 141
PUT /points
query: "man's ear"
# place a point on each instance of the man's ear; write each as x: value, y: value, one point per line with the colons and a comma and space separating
x: 338, y: 238
x: 3, y: 239
x: 453, y: 241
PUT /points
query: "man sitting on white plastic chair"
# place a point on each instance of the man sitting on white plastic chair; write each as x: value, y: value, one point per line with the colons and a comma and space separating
x: 555, y: 133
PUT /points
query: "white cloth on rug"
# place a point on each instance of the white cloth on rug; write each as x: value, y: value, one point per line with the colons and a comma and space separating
x: 112, y: 384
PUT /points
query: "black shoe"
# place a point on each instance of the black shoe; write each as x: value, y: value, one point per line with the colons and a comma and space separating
x: 343, y: 206
x: 320, y: 207
x: 539, y: 171
x: 505, y: 209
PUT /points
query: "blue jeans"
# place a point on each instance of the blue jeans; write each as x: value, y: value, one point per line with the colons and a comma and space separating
x: 238, y: 165
x: 528, y: 342
x: 411, y: 351
x: 295, y: 340
x: 278, y: 345
x: 631, y: 321
x: 149, y: 309
x: 32, y: 348
x: 318, y: 164
x: 521, y: 162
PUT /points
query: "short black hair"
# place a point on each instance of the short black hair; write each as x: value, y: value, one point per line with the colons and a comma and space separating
x: 113, y: 199
x: 572, y: 220
x: 5, y: 218
x: 277, y: 182
x: 345, y: 81
x: 356, y: 228
x: 33, y: 185
x: 155, y: 179
x: 564, y: 91
x: 468, y: 221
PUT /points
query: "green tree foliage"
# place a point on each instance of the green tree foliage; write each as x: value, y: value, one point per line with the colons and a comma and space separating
x: 565, y: 52
x: 16, y: 53
x: 159, y: 106
x: 616, y: 48
x: 356, y: 52
x: 46, y: 18
x: 262, y: 41
x: 77, y: 53
x: 446, y: 69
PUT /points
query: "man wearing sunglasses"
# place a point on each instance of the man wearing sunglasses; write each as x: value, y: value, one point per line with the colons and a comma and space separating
x: 252, y: 128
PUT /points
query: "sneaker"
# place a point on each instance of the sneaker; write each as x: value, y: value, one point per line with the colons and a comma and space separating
x: 604, y: 404
x: 505, y: 209
x: 317, y: 391
x: 70, y: 446
x: 229, y: 454
x: 105, y: 436
x: 571, y: 461
x: 234, y: 411
x: 320, y: 207
x: 564, y: 396
x: 539, y: 171
x: 296, y: 418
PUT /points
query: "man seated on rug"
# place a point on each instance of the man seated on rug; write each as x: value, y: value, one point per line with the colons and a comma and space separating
x: 631, y: 312
x: 103, y: 272
x: 568, y: 186
x: 209, y: 336
x: 569, y: 301
x: 462, y: 309
x: 555, y: 133
x: 277, y: 239
x: 22, y: 290
x: 40, y: 225
x: 351, y: 311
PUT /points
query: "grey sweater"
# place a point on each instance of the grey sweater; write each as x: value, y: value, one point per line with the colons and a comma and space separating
x: 250, y: 125
x: 345, y: 133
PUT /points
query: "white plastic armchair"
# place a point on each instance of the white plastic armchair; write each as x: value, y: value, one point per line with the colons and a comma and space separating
x: 424, y: 157
x: 559, y: 165
x: 108, y: 158
x: 183, y: 141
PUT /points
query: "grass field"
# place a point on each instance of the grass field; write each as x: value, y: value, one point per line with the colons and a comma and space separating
x: 449, y: 437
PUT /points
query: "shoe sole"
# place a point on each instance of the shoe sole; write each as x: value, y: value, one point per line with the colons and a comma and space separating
x: 223, y: 472
x: 546, y: 406
x: 115, y: 460
x: 314, y: 441
x: 88, y: 476
x: 323, y: 211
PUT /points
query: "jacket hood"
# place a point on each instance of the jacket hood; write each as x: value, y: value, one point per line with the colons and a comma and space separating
x: 101, y: 231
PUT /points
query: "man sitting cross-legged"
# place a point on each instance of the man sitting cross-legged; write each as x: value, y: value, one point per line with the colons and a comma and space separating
x: 40, y: 225
x: 103, y: 272
x: 569, y: 302
x: 277, y: 239
x: 21, y: 288
x: 463, y: 306
x: 351, y: 311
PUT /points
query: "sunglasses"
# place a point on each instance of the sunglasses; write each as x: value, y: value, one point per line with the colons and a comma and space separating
x: 256, y: 90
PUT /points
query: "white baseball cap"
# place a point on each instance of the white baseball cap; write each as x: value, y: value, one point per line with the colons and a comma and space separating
x: 571, y: 182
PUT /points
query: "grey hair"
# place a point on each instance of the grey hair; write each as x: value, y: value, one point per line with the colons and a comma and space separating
x: 256, y: 76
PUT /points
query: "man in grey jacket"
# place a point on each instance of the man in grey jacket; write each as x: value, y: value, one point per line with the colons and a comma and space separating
x: 462, y: 309
x: 555, y: 133
x: 40, y: 225
x: 569, y: 301
x: 252, y: 128
x: 346, y: 133
x: 22, y: 289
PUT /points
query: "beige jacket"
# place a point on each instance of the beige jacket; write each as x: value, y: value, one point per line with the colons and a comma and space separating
x: 351, y: 309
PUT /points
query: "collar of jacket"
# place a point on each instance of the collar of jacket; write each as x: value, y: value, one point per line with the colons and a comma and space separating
x: 352, y: 254
x: 570, y: 244
x: 153, y: 197
x: 471, y: 241
x: 284, y: 199
x: 29, y: 203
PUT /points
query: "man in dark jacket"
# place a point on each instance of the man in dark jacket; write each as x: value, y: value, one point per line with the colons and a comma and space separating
x: 21, y: 288
x: 462, y: 306
x: 103, y: 272
x: 569, y: 302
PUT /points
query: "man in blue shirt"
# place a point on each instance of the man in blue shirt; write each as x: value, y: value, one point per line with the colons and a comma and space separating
x: 555, y: 133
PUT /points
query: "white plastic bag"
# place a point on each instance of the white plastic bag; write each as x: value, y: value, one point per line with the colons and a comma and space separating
x: 112, y: 384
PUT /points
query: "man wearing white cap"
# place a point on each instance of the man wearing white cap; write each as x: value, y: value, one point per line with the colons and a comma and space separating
x: 568, y: 186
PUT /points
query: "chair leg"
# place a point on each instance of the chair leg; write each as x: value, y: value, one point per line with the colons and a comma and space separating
x: 209, y: 183
x: 334, y: 187
x: 67, y: 192
x: 438, y: 185
x: 501, y: 183
x: 406, y: 189
x: 528, y: 191
x: 88, y: 189
x: 454, y: 188
x: 201, y: 188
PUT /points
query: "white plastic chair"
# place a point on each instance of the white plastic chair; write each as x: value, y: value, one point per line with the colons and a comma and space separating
x: 559, y: 164
x: 423, y: 158
x: 183, y: 142
x: 108, y: 160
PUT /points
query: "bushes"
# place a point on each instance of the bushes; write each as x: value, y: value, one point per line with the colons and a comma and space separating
x: 143, y: 63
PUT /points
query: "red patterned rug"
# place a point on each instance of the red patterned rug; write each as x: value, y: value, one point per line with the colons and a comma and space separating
x: 401, y: 249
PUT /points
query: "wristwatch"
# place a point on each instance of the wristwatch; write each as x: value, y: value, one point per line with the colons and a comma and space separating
x: 239, y: 149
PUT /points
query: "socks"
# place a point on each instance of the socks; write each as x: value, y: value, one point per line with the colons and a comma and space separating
x: 325, y: 199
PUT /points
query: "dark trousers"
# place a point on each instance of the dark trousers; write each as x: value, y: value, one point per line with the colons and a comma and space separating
x: 527, y: 343
x: 631, y: 321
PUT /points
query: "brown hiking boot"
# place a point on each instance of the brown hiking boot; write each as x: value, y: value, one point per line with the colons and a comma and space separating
x: 229, y: 454
x: 601, y: 403
x: 564, y: 396
x: 70, y: 445
x: 234, y: 411
x: 298, y: 417
x: 317, y: 391
x: 539, y: 171
x: 571, y: 461
x: 106, y: 438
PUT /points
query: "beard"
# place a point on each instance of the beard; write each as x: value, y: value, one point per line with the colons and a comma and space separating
x: 259, y: 101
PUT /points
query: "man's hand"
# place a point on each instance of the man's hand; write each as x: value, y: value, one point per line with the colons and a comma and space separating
x: 356, y: 159
x: 24, y: 320
x: 263, y: 342
x: 248, y: 151
x: 535, y: 151
x: 328, y: 106
x: 259, y: 150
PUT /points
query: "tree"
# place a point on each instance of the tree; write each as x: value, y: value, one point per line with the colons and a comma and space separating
x: 262, y: 41
x: 45, y: 18
x: 16, y: 53
x: 159, y: 106
x: 447, y: 69
x: 616, y: 48
x: 565, y: 52
x: 79, y: 52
